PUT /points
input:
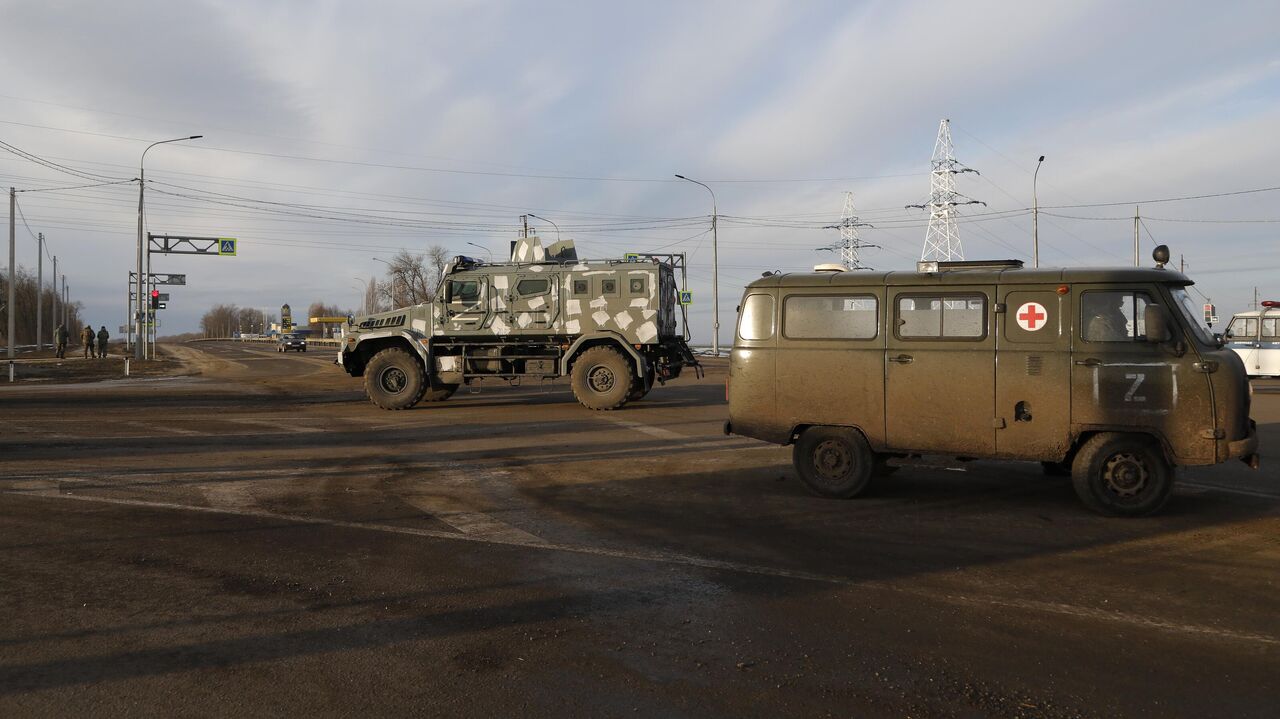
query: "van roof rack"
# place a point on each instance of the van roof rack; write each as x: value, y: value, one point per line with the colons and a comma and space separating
x: 932, y: 266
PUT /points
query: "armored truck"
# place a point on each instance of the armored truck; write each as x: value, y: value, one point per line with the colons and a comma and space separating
x: 609, y: 325
x: 1101, y: 373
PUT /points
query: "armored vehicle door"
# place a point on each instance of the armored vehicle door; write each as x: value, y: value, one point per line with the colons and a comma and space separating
x: 534, y: 301
x: 940, y: 370
x: 1033, y: 373
x: 1120, y: 381
x: 466, y: 303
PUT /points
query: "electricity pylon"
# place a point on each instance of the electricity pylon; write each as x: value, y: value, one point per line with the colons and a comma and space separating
x: 850, y: 242
x: 942, y: 239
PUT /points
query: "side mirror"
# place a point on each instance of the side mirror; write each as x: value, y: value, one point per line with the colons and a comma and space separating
x: 448, y: 292
x: 1157, y: 322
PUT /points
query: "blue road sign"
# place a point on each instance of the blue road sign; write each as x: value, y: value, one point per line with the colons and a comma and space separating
x: 686, y: 297
x: 227, y: 246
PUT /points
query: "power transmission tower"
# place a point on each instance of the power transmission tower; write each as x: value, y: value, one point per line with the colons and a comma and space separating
x: 850, y: 242
x: 942, y: 239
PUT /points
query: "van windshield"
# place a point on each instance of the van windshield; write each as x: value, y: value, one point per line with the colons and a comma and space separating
x: 1187, y: 306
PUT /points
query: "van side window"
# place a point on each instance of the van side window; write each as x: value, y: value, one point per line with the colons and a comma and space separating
x: 1244, y: 327
x: 942, y: 317
x: 1269, y: 327
x: 756, y: 322
x: 826, y: 317
x: 1113, y: 316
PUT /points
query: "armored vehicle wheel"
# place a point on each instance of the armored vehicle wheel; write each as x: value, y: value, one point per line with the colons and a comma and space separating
x: 834, y: 461
x: 440, y: 392
x: 1122, y: 475
x: 394, y: 380
x: 601, y: 378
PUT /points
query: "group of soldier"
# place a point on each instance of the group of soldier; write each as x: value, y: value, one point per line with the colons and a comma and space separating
x: 87, y: 338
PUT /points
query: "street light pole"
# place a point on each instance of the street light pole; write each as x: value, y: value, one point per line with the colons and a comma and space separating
x: 487, y: 251
x: 365, y: 304
x: 1035, y: 217
x: 139, y: 348
x: 715, y: 269
x: 412, y: 296
x: 552, y: 224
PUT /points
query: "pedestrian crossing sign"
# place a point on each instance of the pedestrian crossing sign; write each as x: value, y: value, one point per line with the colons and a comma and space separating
x: 227, y: 246
x: 686, y: 297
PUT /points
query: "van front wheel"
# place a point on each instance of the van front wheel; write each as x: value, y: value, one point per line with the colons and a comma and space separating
x: 834, y: 461
x: 1122, y: 475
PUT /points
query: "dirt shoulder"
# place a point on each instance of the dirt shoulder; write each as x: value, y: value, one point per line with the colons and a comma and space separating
x: 43, y: 366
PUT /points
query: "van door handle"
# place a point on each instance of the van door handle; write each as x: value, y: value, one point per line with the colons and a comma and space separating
x: 1091, y: 362
x: 902, y: 359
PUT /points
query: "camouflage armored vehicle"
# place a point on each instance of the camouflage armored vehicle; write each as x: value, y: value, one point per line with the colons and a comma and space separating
x: 609, y: 325
x: 1103, y: 373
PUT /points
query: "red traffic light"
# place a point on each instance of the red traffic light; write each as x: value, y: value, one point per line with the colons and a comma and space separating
x: 155, y: 294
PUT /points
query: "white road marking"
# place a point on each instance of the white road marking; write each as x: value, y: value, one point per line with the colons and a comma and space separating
x: 1228, y: 490
x: 281, y: 426
x: 229, y: 495
x: 1059, y: 608
x: 476, y: 524
x: 658, y: 432
x: 154, y: 427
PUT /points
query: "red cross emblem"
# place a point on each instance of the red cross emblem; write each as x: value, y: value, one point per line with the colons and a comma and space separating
x: 1031, y: 316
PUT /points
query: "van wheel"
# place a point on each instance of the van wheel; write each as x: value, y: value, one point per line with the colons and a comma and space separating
x: 1122, y: 475
x: 440, y: 392
x: 394, y: 380
x: 833, y: 461
x: 601, y: 379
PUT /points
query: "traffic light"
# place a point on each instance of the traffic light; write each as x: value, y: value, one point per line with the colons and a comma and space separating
x: 155, y: 299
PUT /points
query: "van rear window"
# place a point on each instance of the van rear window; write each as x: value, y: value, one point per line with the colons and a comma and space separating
x: 756, y: 322
x: 828, y: 317
x: 942, y: 317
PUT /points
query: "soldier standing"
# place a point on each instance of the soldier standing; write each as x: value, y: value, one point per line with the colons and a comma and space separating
x: 60, y: 336
x: 103, y: 336
x: 86, y: 339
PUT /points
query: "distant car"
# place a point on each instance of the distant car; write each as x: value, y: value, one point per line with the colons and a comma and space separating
x: 291, y: 342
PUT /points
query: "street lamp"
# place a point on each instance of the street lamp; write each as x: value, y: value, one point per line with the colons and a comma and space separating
x: 1035, y: 217
x: 394, y: 276
x: 552, y: 224
x: 139, y: 347
x: 364, y: 304
x: 486, y: 250
x: 715, y: 269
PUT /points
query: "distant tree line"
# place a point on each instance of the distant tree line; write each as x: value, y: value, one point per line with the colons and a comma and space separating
x: 411, y: 278
x: 24, y: 315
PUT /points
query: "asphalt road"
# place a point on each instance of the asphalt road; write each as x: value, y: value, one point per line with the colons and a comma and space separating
x: 259, y: 539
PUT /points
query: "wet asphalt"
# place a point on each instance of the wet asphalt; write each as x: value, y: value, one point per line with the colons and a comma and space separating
x: 259, y: 539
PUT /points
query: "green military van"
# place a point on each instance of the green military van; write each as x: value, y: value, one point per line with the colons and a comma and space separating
x: 1101, y: 372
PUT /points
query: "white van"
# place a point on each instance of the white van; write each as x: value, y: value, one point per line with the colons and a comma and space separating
x: 1255, y: 336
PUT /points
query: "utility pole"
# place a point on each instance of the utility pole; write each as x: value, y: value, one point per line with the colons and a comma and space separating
x: 715, y: 267
x: 13, y: 296
x: 1136, y: 221
x: 850, y: 242
x: 942, y: 238
x: 53, y: 316
x: 39, y: 291
x: 1035, y: 216
x: 66, y: 311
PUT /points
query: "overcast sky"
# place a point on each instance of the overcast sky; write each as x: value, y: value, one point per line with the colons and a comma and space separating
x: 426, y: 123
